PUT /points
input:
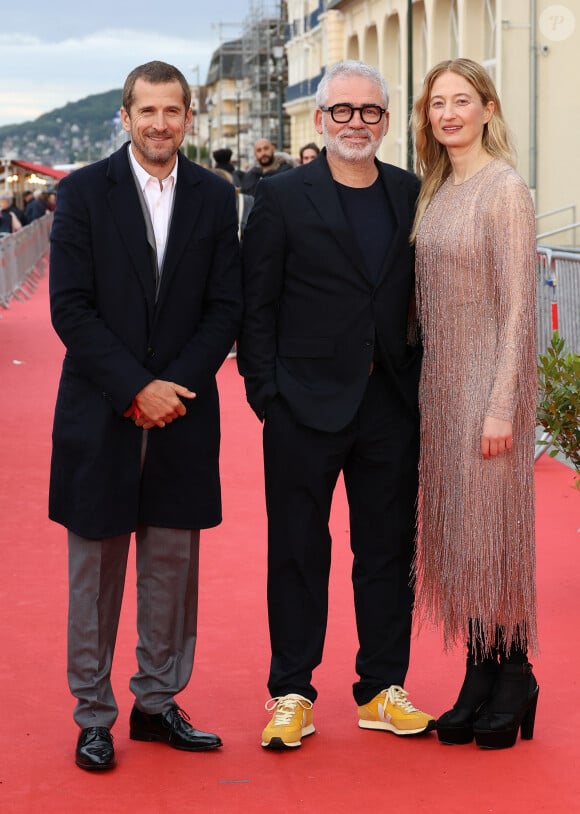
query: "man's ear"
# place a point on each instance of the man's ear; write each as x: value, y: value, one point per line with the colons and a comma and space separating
x: 318, y: 120
x: 387, y: 121
x: 125, y: 120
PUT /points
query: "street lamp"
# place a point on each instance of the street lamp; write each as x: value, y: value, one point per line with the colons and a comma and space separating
x: 209, y: 105
x: 409, y: 82
x: 195, y: 69
x: 238, y: 101
x: 278, y: 56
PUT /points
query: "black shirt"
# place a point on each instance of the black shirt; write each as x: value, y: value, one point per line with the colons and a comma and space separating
x: 369, y: 213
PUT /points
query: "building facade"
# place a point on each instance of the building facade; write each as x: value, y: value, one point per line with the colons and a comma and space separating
x: 530, y: 47
x: 246, y: 85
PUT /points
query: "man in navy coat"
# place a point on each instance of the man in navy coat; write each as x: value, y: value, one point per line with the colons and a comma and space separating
x: 145, y: 295
x: 328, y: 283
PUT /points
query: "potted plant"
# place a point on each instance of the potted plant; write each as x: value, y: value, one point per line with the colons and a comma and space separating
x: 559, y: 404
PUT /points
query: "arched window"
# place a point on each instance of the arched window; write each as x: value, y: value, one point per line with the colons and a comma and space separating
x: 453, y: 31
x: 395, y: 143
x: 352, y: 47
x: 489, y: 37
x: 419, y: 45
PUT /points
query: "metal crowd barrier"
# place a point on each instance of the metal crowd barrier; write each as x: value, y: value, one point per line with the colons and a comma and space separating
x: 558, y: 309
x: 558, y: 297
x: 24, y: 259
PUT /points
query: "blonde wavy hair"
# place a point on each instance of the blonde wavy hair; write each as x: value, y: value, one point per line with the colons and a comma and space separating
x: 432, y: 163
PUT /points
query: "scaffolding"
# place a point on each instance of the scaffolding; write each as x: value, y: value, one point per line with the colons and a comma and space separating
x: 246, y: 84
x: 265, y: 71
x: 224, y: 103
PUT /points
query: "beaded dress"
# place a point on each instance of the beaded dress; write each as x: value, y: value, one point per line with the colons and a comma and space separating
x: 476, y: 284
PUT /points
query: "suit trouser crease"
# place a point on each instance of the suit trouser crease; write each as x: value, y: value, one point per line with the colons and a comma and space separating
x: 377, y: 454
x: 96, y: 582
x: 167, y: 596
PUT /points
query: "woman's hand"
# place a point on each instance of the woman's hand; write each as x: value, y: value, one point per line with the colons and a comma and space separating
x: 496, y: 437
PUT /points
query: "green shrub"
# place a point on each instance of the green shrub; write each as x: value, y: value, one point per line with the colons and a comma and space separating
x: 559, y: 403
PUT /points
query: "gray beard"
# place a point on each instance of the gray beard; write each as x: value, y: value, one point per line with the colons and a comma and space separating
x: 355, y: 153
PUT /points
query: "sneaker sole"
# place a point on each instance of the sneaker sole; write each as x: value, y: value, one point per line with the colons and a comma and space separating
x: 279, y: 744
x: 386, y: 727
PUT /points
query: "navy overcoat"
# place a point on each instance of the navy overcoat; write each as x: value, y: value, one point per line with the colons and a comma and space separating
x: 118, y: 338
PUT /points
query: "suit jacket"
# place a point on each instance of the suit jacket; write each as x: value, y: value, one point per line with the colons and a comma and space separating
x: 313, y: 320
x: 118, y: 338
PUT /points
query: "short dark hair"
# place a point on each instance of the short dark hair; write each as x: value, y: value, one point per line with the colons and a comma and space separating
x: 310, y: 146
x: 223, y: 155
x: 156, y: 73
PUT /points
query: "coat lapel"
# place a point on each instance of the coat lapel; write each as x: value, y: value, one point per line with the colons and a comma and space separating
x: 186, y: 209
x: 322, y: 192
x: 399, y: 204
x: 124, y: 202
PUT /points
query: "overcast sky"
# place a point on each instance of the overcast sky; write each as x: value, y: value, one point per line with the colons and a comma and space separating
x: 59, y: 51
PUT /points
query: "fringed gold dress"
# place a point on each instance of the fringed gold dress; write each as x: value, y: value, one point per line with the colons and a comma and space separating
x: 476, y: 285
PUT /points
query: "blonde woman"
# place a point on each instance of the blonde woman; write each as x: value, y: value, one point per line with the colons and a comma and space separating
x: 475, y: 248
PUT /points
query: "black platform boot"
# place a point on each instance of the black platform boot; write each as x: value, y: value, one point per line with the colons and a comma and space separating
x: 456, y: 725
x: 512, y: 705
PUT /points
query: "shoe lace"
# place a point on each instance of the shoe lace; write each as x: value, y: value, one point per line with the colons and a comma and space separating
x: 98, y: 733
x: 285, y: 707
x: 179, y: 713
x: 399, y: 698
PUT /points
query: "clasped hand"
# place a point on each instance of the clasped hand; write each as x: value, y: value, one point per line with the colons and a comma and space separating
x: 496, y: 437
x: 158, y: 404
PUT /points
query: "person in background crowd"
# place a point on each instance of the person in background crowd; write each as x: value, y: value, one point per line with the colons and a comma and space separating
x: 308, y: 153
x: 145, y: 295
x: 328, y: 282
x: 244, y: 202
x: 476, y: 287
x: 268, y: 164
x: 36, y: 207
x: 18, y: 212
x: 26, y: 198
x: 9, y: 221
x: 223, y: 161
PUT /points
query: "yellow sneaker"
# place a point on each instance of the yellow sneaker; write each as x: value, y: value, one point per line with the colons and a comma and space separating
x: 291, y: 721
x: 391, y: 711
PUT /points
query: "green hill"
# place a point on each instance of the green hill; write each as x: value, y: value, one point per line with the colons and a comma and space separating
x: 79, y: 131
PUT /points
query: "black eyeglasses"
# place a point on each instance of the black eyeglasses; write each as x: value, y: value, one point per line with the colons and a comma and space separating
x: 343, y: 112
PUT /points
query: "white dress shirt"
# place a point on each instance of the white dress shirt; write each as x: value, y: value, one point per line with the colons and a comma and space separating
x: 159, y: 196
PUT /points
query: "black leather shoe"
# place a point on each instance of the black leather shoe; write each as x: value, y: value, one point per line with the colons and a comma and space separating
x: 95, y: 750
x: 456, y: 725
x: 512, y: 707
x: 171, y: 727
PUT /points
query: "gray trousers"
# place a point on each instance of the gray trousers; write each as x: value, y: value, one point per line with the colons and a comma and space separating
x: 167, y: 583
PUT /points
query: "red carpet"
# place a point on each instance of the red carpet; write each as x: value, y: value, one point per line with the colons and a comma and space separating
x: 341, y: 768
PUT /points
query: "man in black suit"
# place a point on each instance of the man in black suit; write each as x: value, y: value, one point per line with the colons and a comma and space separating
x: 328, y: 286
x: 145, y: 295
